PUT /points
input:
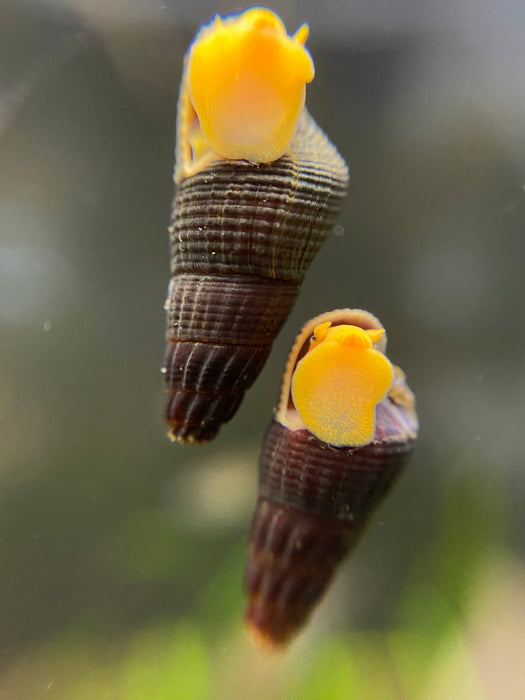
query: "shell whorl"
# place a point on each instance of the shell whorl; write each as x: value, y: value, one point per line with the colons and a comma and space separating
x: 220, y: 331
x: 242, y: 238
x: 267, y: 219
x: 315, y: 499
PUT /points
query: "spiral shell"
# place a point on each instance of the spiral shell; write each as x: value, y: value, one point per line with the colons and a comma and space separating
x: 253, y: 204
x: 315, y: 498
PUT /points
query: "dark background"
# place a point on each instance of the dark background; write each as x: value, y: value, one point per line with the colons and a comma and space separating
x: 107, y: 529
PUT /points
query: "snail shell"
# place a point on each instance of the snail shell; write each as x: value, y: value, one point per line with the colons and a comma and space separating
x: 315, y: 497
x: 258, y: 190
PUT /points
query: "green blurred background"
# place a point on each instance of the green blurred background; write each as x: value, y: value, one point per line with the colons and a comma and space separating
x: 122, y: 554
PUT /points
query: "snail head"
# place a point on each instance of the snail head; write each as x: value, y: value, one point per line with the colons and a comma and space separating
x: 338, y: 383
x: 246, y: 81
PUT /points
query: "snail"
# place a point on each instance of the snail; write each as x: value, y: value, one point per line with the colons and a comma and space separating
x: 342, y: 432
x: 258, y: 187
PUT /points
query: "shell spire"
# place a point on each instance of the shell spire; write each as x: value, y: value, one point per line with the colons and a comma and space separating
x: 323, y: 468
x: 258, y: 187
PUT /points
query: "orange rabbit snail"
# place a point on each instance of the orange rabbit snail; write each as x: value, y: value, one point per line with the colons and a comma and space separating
x: 343, y: 431
x: 258, y: 187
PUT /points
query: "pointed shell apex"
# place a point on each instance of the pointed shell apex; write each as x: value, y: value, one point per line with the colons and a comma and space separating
x: 264, y: 642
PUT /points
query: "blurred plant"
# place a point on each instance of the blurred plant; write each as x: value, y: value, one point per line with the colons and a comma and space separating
x: 429, y: 650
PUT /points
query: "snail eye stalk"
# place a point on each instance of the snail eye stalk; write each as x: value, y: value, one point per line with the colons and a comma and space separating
x: 320, y: 333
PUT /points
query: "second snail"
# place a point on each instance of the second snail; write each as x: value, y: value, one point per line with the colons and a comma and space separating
x: 342, y: 432
x: 258, y: 188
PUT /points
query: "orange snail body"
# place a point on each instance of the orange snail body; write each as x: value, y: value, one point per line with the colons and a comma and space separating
x: 315, y: 497
x: 258, y: 190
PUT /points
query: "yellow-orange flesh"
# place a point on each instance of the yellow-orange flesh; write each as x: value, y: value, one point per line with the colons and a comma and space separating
x: 246, y: 79
x: 338, y: 383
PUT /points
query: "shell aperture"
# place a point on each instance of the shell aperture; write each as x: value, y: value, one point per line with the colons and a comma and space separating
x: 337, y: 384
x: 246, y: 81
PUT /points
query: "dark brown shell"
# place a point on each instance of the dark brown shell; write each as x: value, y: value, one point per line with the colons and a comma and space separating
x: 314, y: 501
x: 242, y: 238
